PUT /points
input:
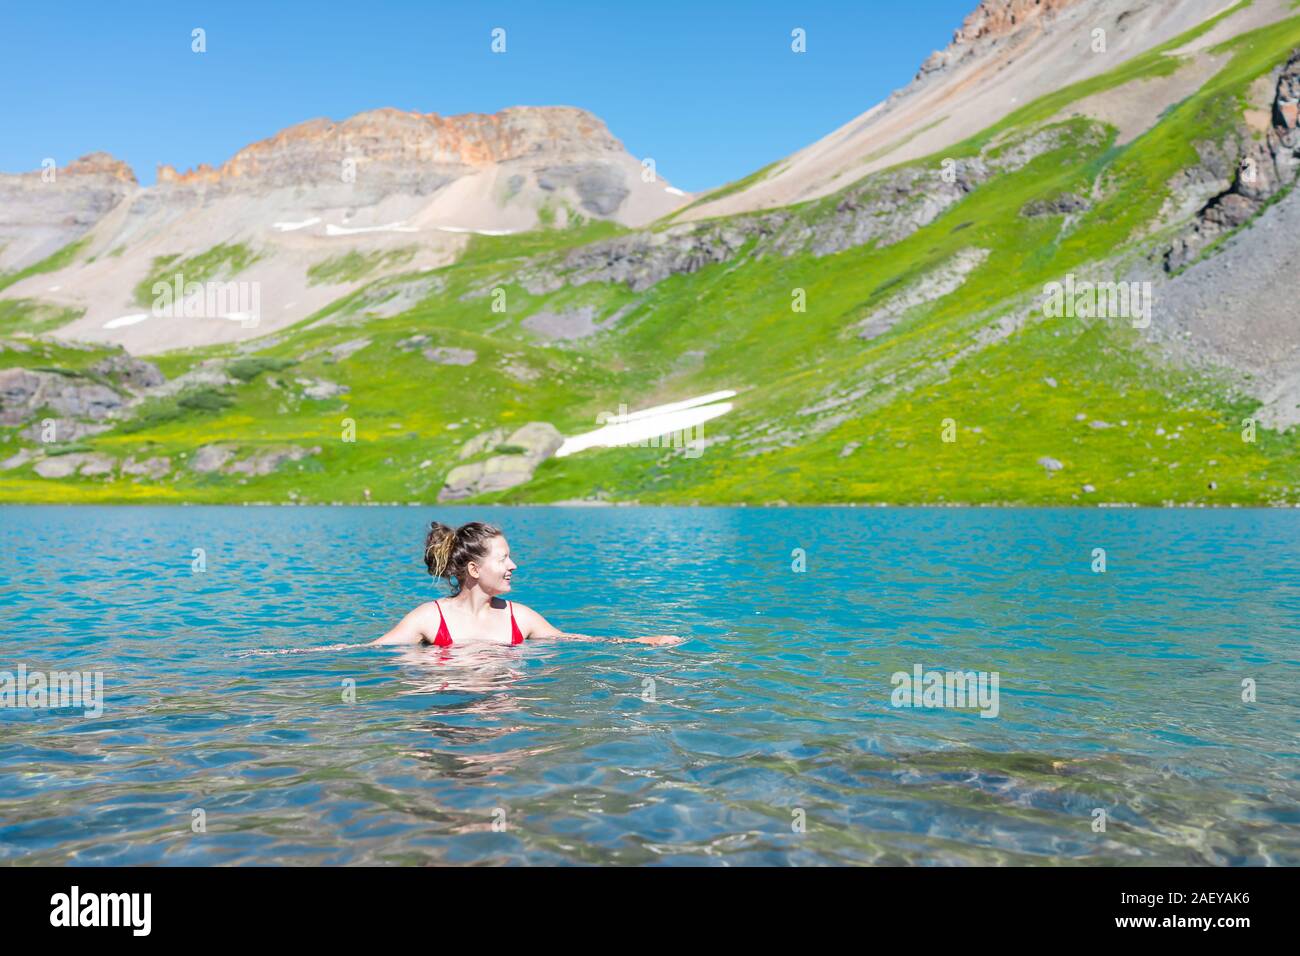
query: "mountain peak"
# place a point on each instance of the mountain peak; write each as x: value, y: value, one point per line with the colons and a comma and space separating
x: 315, y: 149
x: 999, y: 17
x: 992, y: 20
x: 1006, y: 54
x: 96, y: 164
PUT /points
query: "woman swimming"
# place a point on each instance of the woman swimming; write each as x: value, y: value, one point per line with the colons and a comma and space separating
x: 475, y: 560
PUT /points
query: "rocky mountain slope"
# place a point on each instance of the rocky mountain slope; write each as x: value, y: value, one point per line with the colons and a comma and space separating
x: 308, y: 215
x: 1007, y: 54
x: 889, y: 340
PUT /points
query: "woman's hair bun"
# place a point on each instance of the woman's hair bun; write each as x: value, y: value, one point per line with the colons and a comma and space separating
x: 438, y: 548
x: 448, y: 551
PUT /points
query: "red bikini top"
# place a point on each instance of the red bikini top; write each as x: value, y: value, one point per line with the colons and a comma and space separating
x: 444, y: 636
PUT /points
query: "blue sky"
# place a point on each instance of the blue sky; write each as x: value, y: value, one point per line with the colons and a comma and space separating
x: 711, y: 90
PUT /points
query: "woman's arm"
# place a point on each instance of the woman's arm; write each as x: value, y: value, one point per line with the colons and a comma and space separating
x: 409, y: 630
x: 535, y: 627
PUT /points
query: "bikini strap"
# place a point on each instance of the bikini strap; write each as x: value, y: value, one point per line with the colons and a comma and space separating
x: 442, y: 624
x: 514, y: 626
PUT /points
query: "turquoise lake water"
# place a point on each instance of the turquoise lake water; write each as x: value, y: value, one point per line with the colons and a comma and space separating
x: 767, y: 738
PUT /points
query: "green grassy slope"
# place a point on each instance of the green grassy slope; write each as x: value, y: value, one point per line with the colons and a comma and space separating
x: 822, y: 415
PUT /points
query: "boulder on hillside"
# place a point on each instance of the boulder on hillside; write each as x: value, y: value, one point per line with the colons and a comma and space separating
x: 61, y: 430
x: 264, y: 461
x: 210, y: 373
x: 135, y: 374
x: 149, y: 468
x: 345, y: 350
x: 17, y: 461
x: 322, y: 390
x: 89, y: 464
x: 210, y: 458
x: 484, y: 441
x: 451, y: 356
x: 528, y: 447
x: 1060, y: 205
x: 539, y: 440
x: 267, y: 460
x: 23, y: 392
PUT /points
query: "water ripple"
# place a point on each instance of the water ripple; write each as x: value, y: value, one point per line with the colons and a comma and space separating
x: 230, y: 733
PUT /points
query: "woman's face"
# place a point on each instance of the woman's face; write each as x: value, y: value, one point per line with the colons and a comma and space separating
x: 494, y: 570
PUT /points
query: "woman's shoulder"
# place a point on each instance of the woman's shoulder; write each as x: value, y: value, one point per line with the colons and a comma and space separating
x: 428, y: 609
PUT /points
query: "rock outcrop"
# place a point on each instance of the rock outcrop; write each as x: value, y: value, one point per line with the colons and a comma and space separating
x: 321, y: 390
x: 62, y: 430
x: 643, y: 259
x: 155, y: 468
x: 521, y: 452
x: 24, y: 392
x: 990, y: 22
x: 221, y: 458
x: 524, y: 157
x: 936, y: 284
x: 211, y: 458
x: 42, y: 212
x: 268, y: 460
x: 87, y: 464
x: 1007, y: 54
x: 446, y: 355
x: 1065, y: 204
x: 1237, y: 310
x: 882, y: 209
x: 1265, y: 170
x: 388, y: 192
x: 132, y: 373
x: 413, y: 149
x: 76, y: 398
